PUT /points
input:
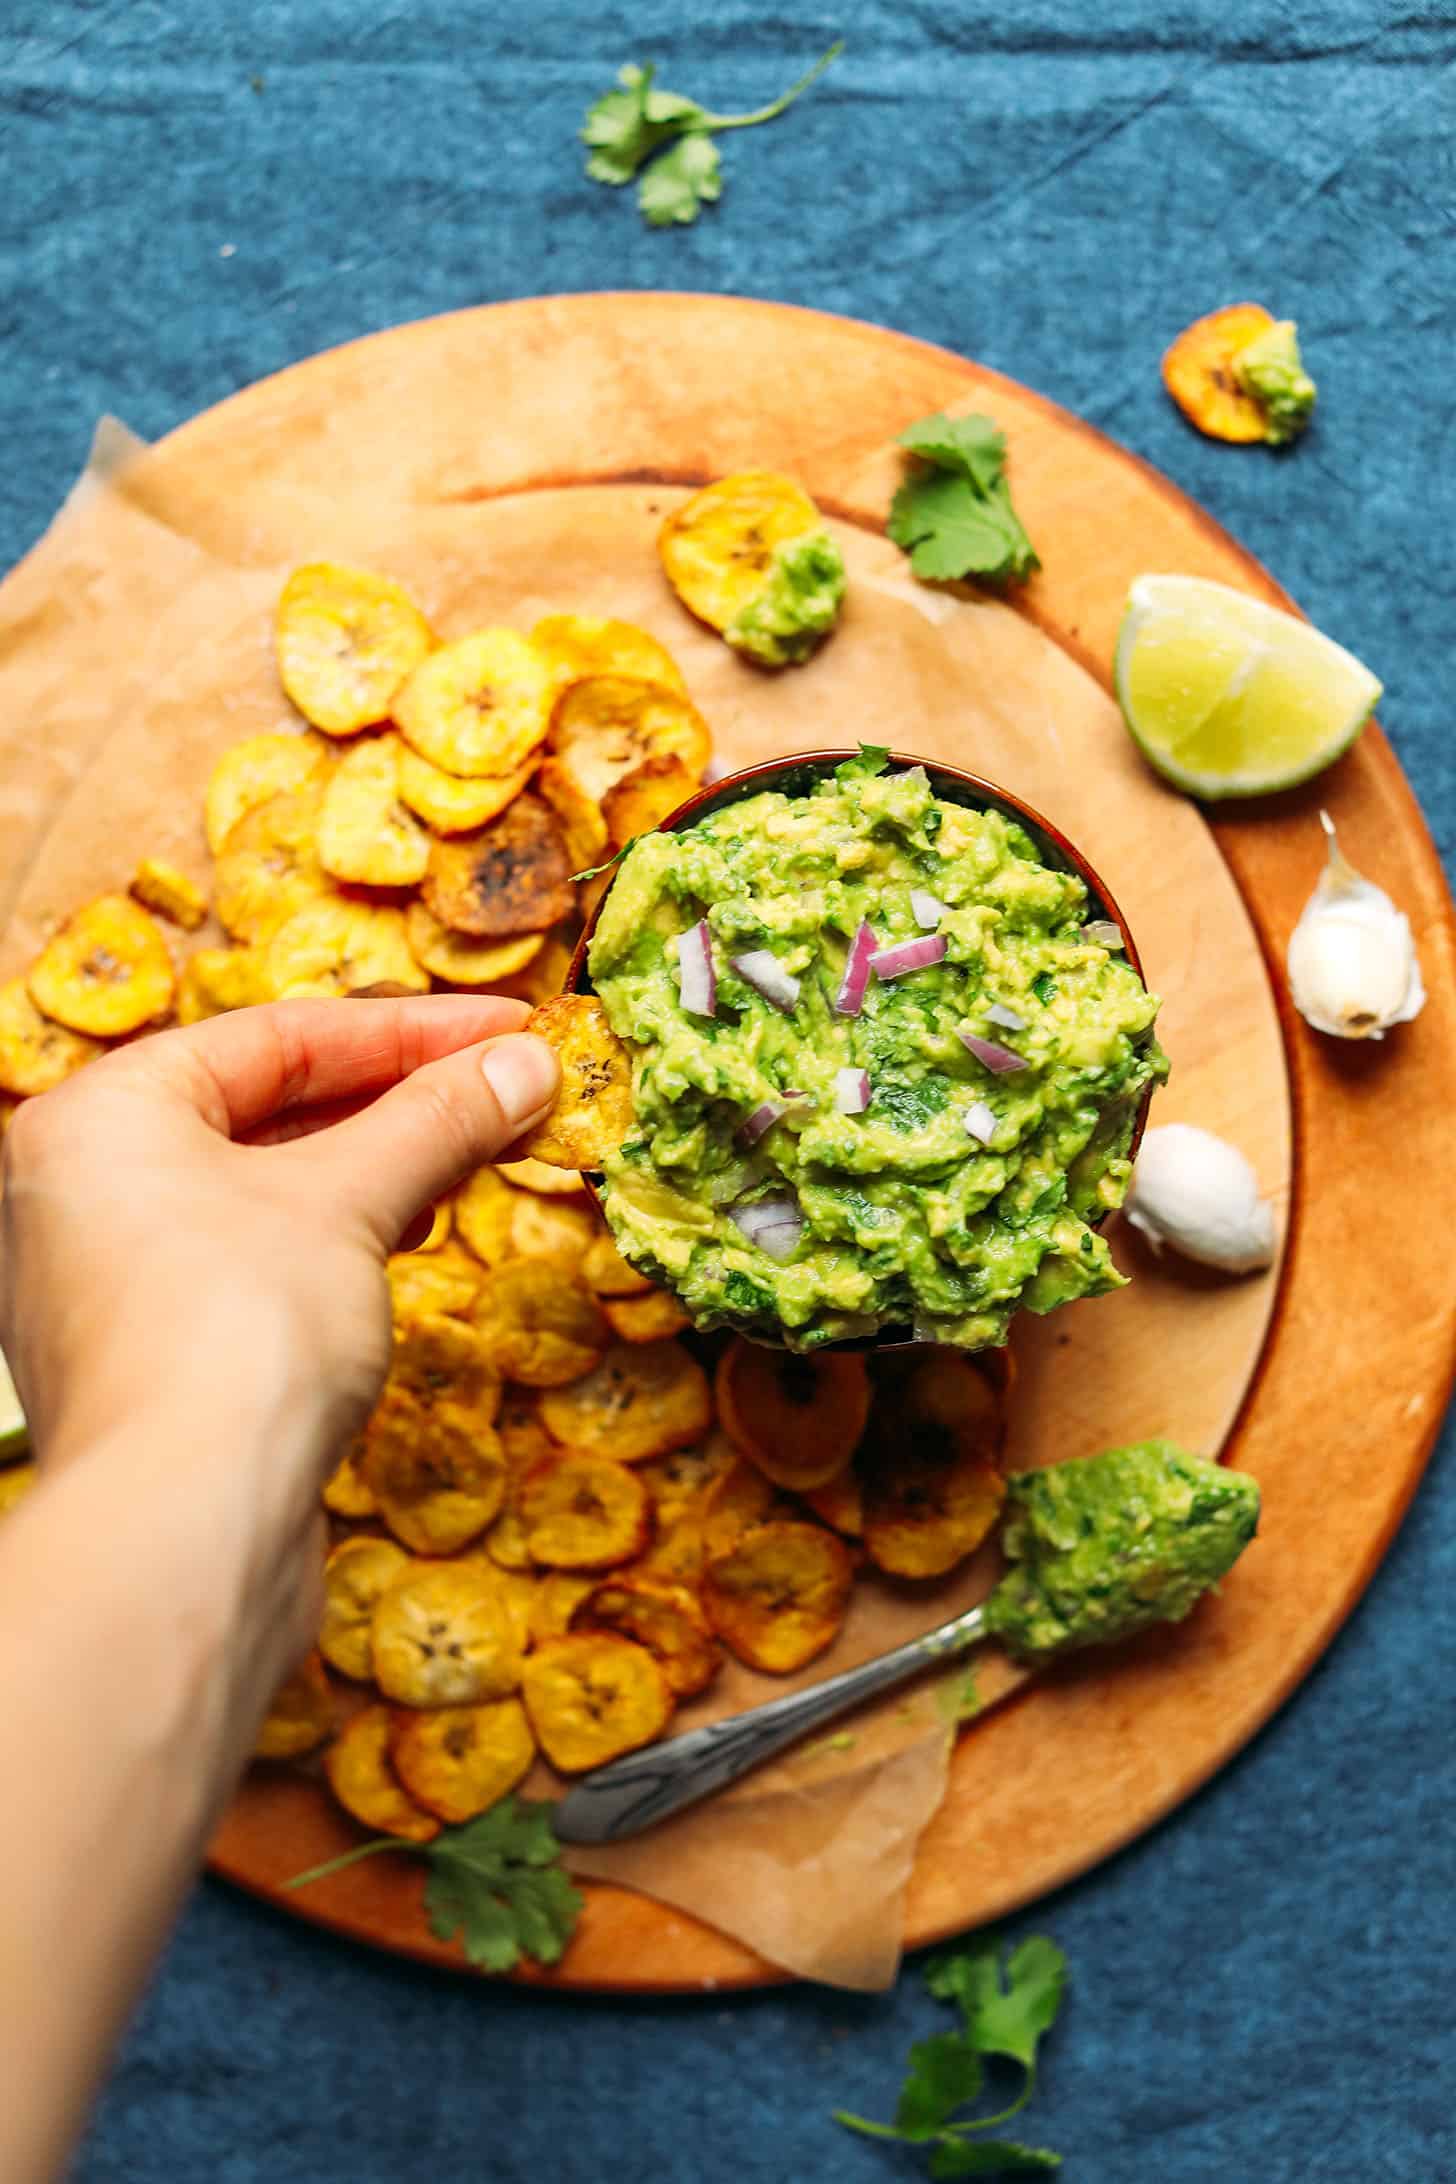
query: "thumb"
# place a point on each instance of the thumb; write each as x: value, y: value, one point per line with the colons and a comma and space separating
x: 422, y: 1137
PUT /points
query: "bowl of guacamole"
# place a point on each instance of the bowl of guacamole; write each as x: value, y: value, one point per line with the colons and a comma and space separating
x: 891, y: 1055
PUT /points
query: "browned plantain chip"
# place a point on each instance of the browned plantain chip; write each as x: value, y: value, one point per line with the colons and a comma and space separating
x: 215, y: 980
x: 160, y: 886
x: 458, y: 960
x: 253, y: 773
x: 537, y: 1175
x: 932, y: 1482
x: 551, y: 1228
x: 444, y: 1636
x: 442, y: 1364
x: 541, y: 1327
x: 437, y: 1472
x: 717, y: 548
x: 301, y: 1714
x: 106, y: 972
x: 507, y: 878
x: 592, y: 1698
x: 344, y: 1492
x: 780, y: 1596
x: 447, y: 1280
x: 356, y: 1576
x: 450, y: 803
x: 35, y: 1054
x: 484, y: 1210
x: 608, y: 725
x: 479, y: 705
x: 332, y: 947
x: 461, y: 1760
x: 554, y: 1599
x: 584, y: 1512
x: 1198, y: 372
x: 347, y: 639
x: 269, y: 865
x: 578, y: 645
x: 665, y: 1618
x: 645, y: 1319
x: 365, y: 834
x: 736, y: 1504
x: 579, y: 816
x: 608, y: 1273
x: 798, y: 1419
x: 839, y: 1502
x: 646, y: 796
x: 363, y: 1780
x: 593, y: 1110
x: 641, y: 1400
x: 681, y: 1481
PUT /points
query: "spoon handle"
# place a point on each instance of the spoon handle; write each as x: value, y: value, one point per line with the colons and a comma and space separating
x: 633, y: 1793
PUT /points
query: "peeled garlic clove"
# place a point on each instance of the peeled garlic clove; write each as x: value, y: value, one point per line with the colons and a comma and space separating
x: 1191, y: 1190
x: 1352, y: 962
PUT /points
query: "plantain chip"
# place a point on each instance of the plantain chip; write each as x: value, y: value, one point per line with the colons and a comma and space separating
x: 516, y: 1590
x: 159, y: 886
x: 736, y: 1504
x: 484, y: 1210
x: 541, y: 1327
x: 449, y: 803
x: 933, y: 1487
x: 362, y: 1778
x: 605, y: 1271
x: 593, y: 1110
x: 461, y: 1760
x: 365, y: 834
x: 665, y: 1618
x: 447, y: 1280
x: 507, y: 878
x: 609, y: 725
x: 584, y: 1512
x: 717, y: 549
x: 798, y: 1419
x: 1198, y: 372
x: 35, y: 1054
x: 579, y: 816
x: 546, y: 974
x: 442, y: 1227
x: 347, y: 640
x: 555, y: 1597
x: 839, y: 1502
x: 345, y: 1492
x: 780, y: 1596
x: 550, y: 1228
x: 215, y: 980
x: 577, y: 645
x: 269, y: 866
x: 300, y: 1716
x: 478, y: 706
x: 437, y: 1473
x: 106, y: 972
x: 505, y: 1541
x: 16, y: 1481
x: 641, y: 1400
x: 458, y: 960
x: 646, y: 796
x: 590, y: 1699
x: 356, y: 1576
x: 443, y: 1636
x: 441, y: 1363
x: 331, y: 947
x: 681, y: 1481
x: 645, y: 1319
x: 253, y: 773
x: 539, y: 1176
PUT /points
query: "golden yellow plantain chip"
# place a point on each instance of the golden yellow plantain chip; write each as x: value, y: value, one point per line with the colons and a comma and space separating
x: 609, y: 725
x: 459, y: 960
x: 780, y: 1596
x: 584, y: 1512
x: 797, y: 1419
x: 446, y: 1280
x: 365, y: 835
x: 443, y: 1636
x: 839, y: 1502
x: 717, y: 549
x: 641, y: 1400
x: 300, y: 1716
x: 441, y: 1363
x: 437, y: 1473
x: 545, y: 975
x: 452, y: 804
x: 932, y: 1481
x: 551, y: 1228
x: 593, y: 1110
x: 736, y: 1504
x: 680, y: 1482
x: 577, y: 645
x: 523, y: 1437
x: 344, y: 1492
x: 505, y: 1540
x: 253, y: 773
x: 356, y: 1576
x: 347, y: 641
x: 442, y: 1227
x: 461, y: 1760
x: 478, y: 706
x: 269, y: 866
x: 607, y: 1272
x: 362, y: 1778
x: 159, y: 886
x: 665, y: 1618
x: 645, y: 1319
x: 579, y: 816
x: 106, y: 972
x: 591, y: 1698
x: 1198, y: 372
x: 541, y: 1326
x: 35, y: 1054
x: 16, y: 1481
x: 484, y: 1210
x: 214, y: 980
x: 507, y: 878
x: 646, y: 796
x: 332, y: 946
x: 538, y: 1176
x: 517, y: 1590
x: 555, y: 1596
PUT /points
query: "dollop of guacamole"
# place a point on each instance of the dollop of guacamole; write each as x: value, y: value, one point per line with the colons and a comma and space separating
x: 798, y: 605
x: 1271, y: 369
x: 1102, y: 1548
x: 899, y: 1215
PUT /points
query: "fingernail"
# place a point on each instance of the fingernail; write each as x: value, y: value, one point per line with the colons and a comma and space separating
x: 522, y: 1072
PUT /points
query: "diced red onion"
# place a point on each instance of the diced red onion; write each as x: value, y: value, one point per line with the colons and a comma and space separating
x: 980, y: 1122
x: 998, y: 1013
x: 697, y: 982
x: 908, y: 955
x: 927, y: 909
x: 764, y: 1116
x: 851, y: 1091
x: 850, y: 997
x: 1104, y: 933
x: 767, y: 976
x: 773, y: 1224
x: 998, y: 1059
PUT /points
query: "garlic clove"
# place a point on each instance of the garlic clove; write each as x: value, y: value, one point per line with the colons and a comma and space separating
x: 1352, y: 962
x: 1195, y: 1192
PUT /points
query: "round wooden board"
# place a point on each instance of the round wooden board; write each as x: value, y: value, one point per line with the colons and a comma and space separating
x: 521, y: 406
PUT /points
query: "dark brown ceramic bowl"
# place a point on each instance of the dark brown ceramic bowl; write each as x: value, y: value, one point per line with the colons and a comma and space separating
x: 794, y: 776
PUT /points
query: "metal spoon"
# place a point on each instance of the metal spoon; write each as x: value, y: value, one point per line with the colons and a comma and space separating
x: 634, y: 1793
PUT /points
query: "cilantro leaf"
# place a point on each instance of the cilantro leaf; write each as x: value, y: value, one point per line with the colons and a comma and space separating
x: 1044, y: 985
x: 685, y: 177
x: 952, y: 514
x: 1003, y: 2020
x: 990, y: 2157
x: 872, y: 759
x: 625, y: 127
x: 945, y: 2073
x: 974, y: 445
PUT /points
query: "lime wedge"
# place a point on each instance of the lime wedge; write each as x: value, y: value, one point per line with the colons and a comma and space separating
x: 12, y: 1417
x: 1228, y: 697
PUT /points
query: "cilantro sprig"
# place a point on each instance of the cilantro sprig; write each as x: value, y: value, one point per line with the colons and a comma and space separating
x: 1004, y: 2012
x: 638, y: 123
x: 953, y: 514
x: 497, y: 1881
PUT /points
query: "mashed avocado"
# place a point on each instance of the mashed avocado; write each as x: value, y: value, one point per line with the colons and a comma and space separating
x: 1271, y: 369
x: 957, y: 1191
x: 798, y: 605
x: 1103, y: 1548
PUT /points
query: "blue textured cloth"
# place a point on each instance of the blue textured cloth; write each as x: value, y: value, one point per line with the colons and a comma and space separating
x: 199, y: 191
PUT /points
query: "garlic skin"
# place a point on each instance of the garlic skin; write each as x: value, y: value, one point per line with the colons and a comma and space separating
x: 1352, y: 962
x: 1193, y: 1191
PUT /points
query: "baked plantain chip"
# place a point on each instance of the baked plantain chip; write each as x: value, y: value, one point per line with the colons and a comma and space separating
x: 443, y: 1636
x: 347, y: 640
x: 839, y: 1502
x: 798, y: 1419
x: 437, y: 1473
x: 269, y: 866
x: 254, y: 772
x: 523, y: 1437
x: 215, y: 980
x: 551, y: 1228
x: 461, y: 1760
x: 579, y: 816
x: 449, y: 803
x: 16, y: 1481
x: 605, y: 1270
x: 665, y: 1618
x: 344, y: 1492
x: 365, y: 834
x: 505, y: 1540
x: 646, y: 796
x: 362, y: 1778
x: 545, y: 975
x: 780, y: 1596
x: 590, y: 1699
x: 484, y: 1209
x: 593, y: 1110
x: 555, y: 1597
x: 300, y: 1716
x: 1198, y: 372
x: 447, y: 1280
x: 717, y: 548
x: 932, y: 1484
x: 640, y: 1400
x: 645, y: 1319
x: 681, y: 1481
x: 159, y: 886
x: 478, y: 706
x: 441, y: 1363
x: 584, y: 1512
x: 507, y: 878
x: 609, y: 725
x: 541, y: 1326
x: 577, y: 645
x: 333, y: 946
x: 356, y: 1576
x: 106, y: 972
x: 459, y: 960
x: 517, y: 1591
x: 539, y: 1176
x: 736, y: 1504
x: 442, y: 1227
x: 35, y: 1054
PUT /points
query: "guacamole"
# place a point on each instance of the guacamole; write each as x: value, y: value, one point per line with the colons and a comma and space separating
x: 797, y: 606
x: 1103, y: 1548
x: 883, y: 1072
x: 1271, y: 369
